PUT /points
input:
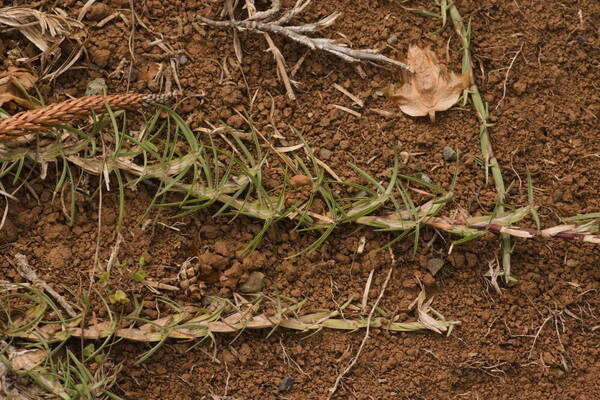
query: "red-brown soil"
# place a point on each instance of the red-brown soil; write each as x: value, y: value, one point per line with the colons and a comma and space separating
x: 534, y: 341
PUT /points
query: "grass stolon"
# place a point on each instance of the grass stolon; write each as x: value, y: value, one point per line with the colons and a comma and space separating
x: 491, y: 162
x: 206, y: 175
x: 36, y: 319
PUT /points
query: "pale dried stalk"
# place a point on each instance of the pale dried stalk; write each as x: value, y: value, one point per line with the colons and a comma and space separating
x: 401, y: 221
x: 40, y: 119
x: 17, y: 362
x: 27, y: 272
x: 279, y: 59
x: 471, y: 226
x: 501, y: 224
x: 37, y: 120
x: 352, y: 363
x: 487, y: 150
x: 163, y: 172
x: 281, y: 70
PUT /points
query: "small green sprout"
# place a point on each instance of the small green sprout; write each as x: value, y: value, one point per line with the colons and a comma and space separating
x: 103, y: 278
x: 118, y: 297
x: 89, y: 350
x: 139, y: 275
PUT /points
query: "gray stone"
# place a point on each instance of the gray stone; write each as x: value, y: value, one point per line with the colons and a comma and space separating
x: 96, y: 87
x: 254, y: 284
x: 425, y: 178
x: 286, y: 384
x: 434, y: 265
x: 449, y: 154
x: 134, y: 74
x: 392, y: 39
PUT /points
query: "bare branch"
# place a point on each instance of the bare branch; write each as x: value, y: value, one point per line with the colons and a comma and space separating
x: 298, y: 8
x: 264, y: 15
x: 260, y: 23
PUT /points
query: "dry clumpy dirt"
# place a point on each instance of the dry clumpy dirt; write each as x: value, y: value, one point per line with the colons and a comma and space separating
x: 534, y: 341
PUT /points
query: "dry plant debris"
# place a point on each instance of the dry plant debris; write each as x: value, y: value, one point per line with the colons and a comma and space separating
x: 274, y: 20
x: 491, y: 162
x: 47, y: 32
x: 16, y: 363
x: 27, y: 272
x: 431, y: 88
x: 14, y: 82
x: 38, y: 321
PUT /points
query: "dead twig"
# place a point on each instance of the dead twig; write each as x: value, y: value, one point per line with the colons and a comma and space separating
x: 114, y: 254
x: 27, y: 272
x: 506, y: 77
x: 327, y: 45
x: 266, y: 23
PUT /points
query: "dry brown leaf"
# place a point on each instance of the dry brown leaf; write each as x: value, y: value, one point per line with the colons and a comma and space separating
x: 25, y: 360
x: 11, y: 82
x: 431, y: 88
x: 423, y: 311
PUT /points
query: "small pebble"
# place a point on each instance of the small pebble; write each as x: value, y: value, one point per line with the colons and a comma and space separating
x: 557, y: 196
x: 449, y: 154
x: 520, y: 87
x: 254, y: 284
x: 325, y: 154
x: 428, y: 280
x: 96, y: 87
x: 392, y: 39
x: 133, y: 74
x: 183, y: 59
x: 425, y: 178
x: 98, y: 12
x: 434, y: 265
x: 572, y: 263
x: 286, y: 384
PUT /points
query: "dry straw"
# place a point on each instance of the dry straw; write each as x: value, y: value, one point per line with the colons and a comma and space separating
x: 220, y: 317
x: 47, y: 32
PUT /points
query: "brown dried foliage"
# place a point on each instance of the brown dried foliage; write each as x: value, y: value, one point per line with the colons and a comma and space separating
x: 14, y: 83
x: 431, y: 88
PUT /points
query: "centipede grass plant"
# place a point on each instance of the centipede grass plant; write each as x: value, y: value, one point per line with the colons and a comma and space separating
x: 28, y: 321
x: 205, y: 172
